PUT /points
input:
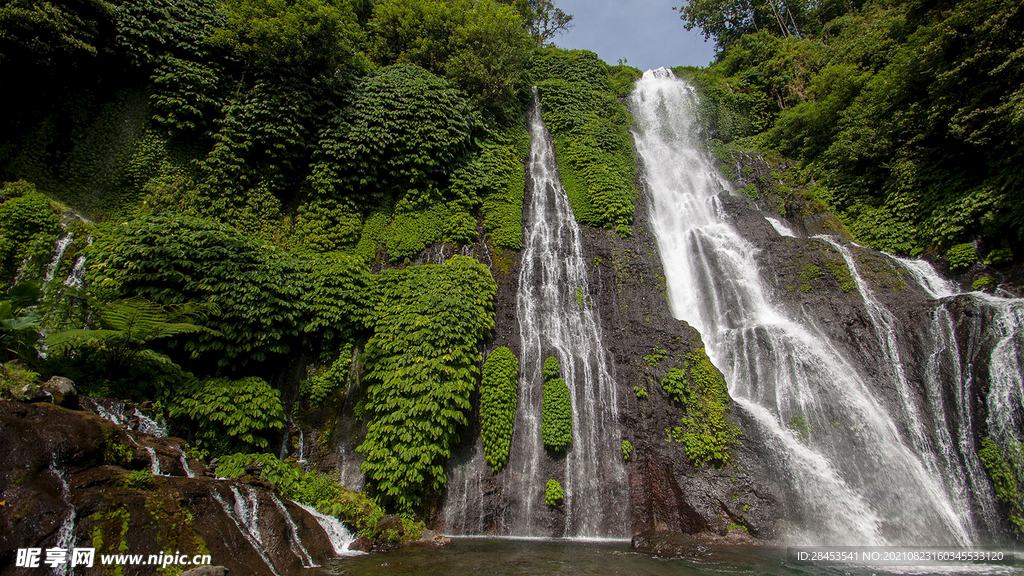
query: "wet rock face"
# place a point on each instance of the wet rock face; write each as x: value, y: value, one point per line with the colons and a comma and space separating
x: 59, y: 461
x: 668, y: 494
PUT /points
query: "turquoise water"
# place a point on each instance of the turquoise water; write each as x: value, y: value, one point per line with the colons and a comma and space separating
x: 471, y: 556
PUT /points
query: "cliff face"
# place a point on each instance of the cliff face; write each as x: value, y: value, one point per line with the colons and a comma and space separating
x: 65, y: 478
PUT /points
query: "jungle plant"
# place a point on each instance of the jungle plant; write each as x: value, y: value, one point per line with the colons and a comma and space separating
x: 961, y: 256
x: 230, y: 415
x: 556, y: 409
x: 627, y: 450
x: 498, y: 397
x: 421, y: 367
x: 553, y: 494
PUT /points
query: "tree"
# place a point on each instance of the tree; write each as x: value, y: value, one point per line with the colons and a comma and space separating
x: 542, y: 18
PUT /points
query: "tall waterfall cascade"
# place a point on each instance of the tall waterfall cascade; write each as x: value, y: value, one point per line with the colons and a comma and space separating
x: 878, y: 471
x: 553, y: 321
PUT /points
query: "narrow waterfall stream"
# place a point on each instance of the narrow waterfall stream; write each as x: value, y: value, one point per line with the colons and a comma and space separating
x: 556, y: 318
x: 867, y: 475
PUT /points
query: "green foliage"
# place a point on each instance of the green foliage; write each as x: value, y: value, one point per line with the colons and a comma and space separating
x: 421, y: 367
x: 841, y: 274
x: 316, y: 36
x: 328, y: 379
x: 907, y: 113
x: 707, y: 434
x: 226, y: 414
x: 479, y: 45
x: 187, y: 95
x: 19, y: 322
x: 581, y: 299
x: 404, y: 132
x: 251, y: 289
x: 553, y: 494
x: 26, y: 218
x: 591, y: 133
x: 128, y: 328
x: 137, y: 480
x: 999, y: 257
x: 333, y: 296
x: 542, y: 18
x: 655, y: 357
x: 15, y: 380
x: 551, y: 368
x: 556, y: 415
x: 798, y: 423
x: 808, y: 273
x: 627, y: 450
x: 961, y: 256
x: 983, y: 283
x: 149, y: 29
x: 495, y: 177
x: 1005, y: 480
x: 640, y: 391
x: 498, y: 397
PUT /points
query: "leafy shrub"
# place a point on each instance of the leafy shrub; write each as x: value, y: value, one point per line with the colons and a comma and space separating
x: 496, y: 177
x: 232, y: 414
x: 405, y: 130
x: 798, y: 423
x: 983, y: 283
x: 137, y: 480
x: 556, y: 415
x: 173, y: 259
x: 553, y: 494
x: 591, y: 133
x: 640, y: 391
x: 706, y: 433
x: 25, y: 216
x: 677, y: 385
x: 627, y: 450
x: 421, y: 365
x: 656, y: 356
x: 15, y: 378
x: 333, y: 297
x: 1004, y: 480
x: 961, y: 256
x: 999, y: 257
x: 498, y: 398
x: 551, y: 368
x: 329, y: 378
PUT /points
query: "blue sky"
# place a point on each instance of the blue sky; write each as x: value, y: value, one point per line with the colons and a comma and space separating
x: 648, y: 33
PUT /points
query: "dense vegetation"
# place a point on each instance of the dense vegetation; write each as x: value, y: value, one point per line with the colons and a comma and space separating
x: 906, y: 115
x: 499, y: 392
x: 222, y: 207
x: 706, y: 433
x: 556, y: 408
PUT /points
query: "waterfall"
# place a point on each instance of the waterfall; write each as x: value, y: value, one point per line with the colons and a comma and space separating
x: 184, y: 463
x: 294, y: 541
x: 859, y: 477
x: 553, y: 321
x: 154, y: 462
x: 339, y: 536
x: 244, y: 515
x: 66, y: 533
x: 58, y: 255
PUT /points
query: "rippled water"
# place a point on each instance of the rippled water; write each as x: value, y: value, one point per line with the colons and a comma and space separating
x: 564, y: 557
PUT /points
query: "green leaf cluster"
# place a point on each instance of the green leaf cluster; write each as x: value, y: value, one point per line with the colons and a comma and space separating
x: 232, y: 414
x: 627, y: 450
x: 553, y: 494
x: 496, y: 176
x: 706, y: 433
x: 170, y: 259
x: 499, y: 393
x: 961, y: 256
x: 1005, y: 480
x: 26, y: 218
x: 420, y: 369
x: 556, y: 408
x: 591, y: 133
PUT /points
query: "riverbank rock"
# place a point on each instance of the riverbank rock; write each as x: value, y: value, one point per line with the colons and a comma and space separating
x: 75, y: 479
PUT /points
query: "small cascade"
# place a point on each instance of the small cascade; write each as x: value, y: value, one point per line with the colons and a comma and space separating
x: 150, y: 426
x: 154, y: 462
x: 780, y: 227
x: 924, y: 274
x: 294, y: 541
x: 244, y: 515
x: 866, y: 472
x: 77, y: 276
x: 302, y: 447
x: 1006, y: 377
x: 66, y: 533
x: 184, y: 463
x: 124, y: 415
x: 337, y: 533
x: 58, y: 255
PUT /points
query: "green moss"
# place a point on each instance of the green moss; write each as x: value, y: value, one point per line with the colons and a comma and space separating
x: 137, y: 480
x: 837, y: 267
x: 581, y: 299
x: 110, y: 534
x: 808, y: 273
x: 498, y: 397
x: 553, y: 494
x: 1005, y: 480
x: 984, y: 283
